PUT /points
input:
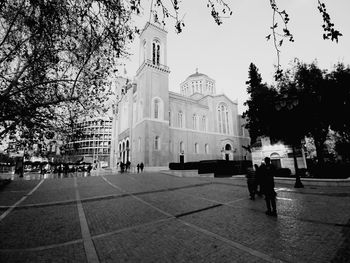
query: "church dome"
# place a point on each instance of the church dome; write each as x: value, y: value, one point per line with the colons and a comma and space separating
x: 197, y: 74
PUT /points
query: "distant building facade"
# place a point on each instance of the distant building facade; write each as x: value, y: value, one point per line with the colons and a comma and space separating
x: 281, y: 155
x: 156, y: 126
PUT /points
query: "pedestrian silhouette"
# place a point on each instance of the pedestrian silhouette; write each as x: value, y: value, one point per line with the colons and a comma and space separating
x: 258, y: 179
x: 251, y: 182
x: 268, y: 186
x: 141, y: 167
x: 138, y: 168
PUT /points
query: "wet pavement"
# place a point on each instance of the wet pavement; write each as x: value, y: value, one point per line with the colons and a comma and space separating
x: 154, y: 217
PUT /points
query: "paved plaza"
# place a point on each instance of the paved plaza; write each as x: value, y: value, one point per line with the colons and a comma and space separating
x: 155, y: 217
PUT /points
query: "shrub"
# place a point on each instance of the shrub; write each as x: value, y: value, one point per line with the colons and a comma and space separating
x: 283, y: 172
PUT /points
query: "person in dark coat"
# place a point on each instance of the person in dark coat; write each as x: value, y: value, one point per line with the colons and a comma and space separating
x: 141, y: 167
x: 251, y: 182
x: 258, y: 179
x: 138, y: 168
x: 268, y: 186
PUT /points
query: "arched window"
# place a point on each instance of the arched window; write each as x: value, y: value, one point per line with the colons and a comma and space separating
x: 228, y: 147
x: 196, y: 148
x: 156, y: 52
x: 204, y: 123
x: 206, y: 147
x: 169, y: 118
x: 194, y: 121
x: 182, y: 147
x: 156, y: 143
x: 139, y: 144
x: 156, y: 108
x: 223, y: 119
x: 180, y: 119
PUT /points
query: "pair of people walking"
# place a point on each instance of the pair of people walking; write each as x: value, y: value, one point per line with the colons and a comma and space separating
x: 263, y: 177
x: 140, y: 167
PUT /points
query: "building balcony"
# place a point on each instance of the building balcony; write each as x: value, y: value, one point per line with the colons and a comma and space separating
x: 149, y: 63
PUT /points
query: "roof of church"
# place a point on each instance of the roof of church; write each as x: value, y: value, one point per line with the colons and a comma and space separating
x: 197, y: 74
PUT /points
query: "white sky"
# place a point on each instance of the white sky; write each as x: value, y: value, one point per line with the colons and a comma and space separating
x: 224, y: 52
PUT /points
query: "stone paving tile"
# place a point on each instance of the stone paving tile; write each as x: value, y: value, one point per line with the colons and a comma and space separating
x: 53, y: 190
x: 150, y: 182
x: 343, y: 253
x: 285, y: 237
x: 114, y: 214
x: 169, y: 241
x: 175, y: 203
x: 11, y: 197
x: 129, y: 184
x: 19, y: 185
x: 69, y: 253
x: 324, y: 209
x: 95, y: 186
x: 218, y: 192
x: 32, y: 227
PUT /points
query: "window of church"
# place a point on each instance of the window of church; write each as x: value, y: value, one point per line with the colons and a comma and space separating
x: 194, y: 121
x: 169, y: 118
x: 180, y: 119
x: 206, y: 146
x: 156, y: 143
x: 156, y: 109
x: 158, y: 54
x: 219, y: 120
x: 182, y: 147
x: 204, y: 123
x: 139, y: 144
x: 223, y: 119
x: 196, y: 148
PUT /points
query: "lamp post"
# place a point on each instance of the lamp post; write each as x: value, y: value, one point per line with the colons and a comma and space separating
x: 289, y: 103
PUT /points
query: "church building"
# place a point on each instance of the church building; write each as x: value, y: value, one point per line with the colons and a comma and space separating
x: 156, y: 126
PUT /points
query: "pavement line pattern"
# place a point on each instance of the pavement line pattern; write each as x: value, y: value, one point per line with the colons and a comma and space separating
x: 204, y: 231
x: 89, y: 247
x: 137, y: 198
x: 233, y: 243
x: 131, y: 228
x: 35, y: 249
x: 9, y: 210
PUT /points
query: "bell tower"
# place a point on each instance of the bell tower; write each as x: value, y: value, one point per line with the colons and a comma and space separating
x: 152, y: 97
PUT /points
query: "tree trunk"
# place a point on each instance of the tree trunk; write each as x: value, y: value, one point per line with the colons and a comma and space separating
x: 298, y: 183
x: 319, y: 151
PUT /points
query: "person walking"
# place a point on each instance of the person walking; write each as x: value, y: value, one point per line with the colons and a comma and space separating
x: 141, y: 167
x: 251, y: 181
x: 138, y: 168
x: 268, y: 187
x: 258, y: 180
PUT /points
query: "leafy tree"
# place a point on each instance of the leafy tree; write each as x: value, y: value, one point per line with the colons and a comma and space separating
x: 260, y: 104
x: 56, y: 57
x: 313, y: 91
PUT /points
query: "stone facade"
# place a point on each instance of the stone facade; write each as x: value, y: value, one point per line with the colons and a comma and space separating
x: 155, y: 126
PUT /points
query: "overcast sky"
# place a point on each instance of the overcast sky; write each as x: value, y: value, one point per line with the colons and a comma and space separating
x: 224, y: 52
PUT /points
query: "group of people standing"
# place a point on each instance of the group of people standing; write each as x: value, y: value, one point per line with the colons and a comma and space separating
x: 125, y: 167
x: 260, y: 181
